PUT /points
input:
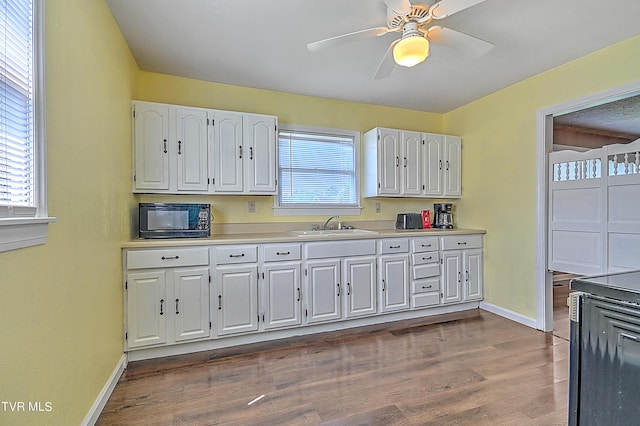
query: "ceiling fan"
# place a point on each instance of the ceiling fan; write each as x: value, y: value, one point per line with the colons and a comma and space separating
x: 414, y: 22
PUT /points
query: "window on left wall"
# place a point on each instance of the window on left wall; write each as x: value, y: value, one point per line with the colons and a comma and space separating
x: 23, y: 198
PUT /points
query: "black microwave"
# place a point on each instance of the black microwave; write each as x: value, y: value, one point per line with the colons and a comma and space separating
x: 173, y: 220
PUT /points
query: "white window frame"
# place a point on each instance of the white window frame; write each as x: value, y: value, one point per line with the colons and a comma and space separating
x: 319, y: 209
x: 22, y: 227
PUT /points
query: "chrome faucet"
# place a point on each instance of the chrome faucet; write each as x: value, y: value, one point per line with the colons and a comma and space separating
x: 324, y: 226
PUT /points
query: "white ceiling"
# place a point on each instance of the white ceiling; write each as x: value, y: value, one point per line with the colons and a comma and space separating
x: 262, y: 44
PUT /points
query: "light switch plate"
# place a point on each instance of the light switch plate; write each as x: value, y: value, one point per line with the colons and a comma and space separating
x: 252, y: 206
x: 378, y: 208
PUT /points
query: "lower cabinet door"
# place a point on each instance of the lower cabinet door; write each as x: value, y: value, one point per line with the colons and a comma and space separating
x: 323, y: 290
x: 281, y: 295
x: 452, y: 276
x: 146, y: 309
x: 190, y: 304
x: 394, y: 283
x: 237, y: 299
x: 473, y: 274
x: 360, y: 280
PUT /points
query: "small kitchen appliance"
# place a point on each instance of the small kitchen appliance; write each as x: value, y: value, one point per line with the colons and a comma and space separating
x: 442, y: 215
x: 173, y: 220
x: 409, y: 221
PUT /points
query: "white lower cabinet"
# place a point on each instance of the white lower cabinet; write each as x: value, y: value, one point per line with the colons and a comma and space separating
x: 393, y: 271
x: 425, y: 272
x: 462, y: 274
x: 281, y: 289
x: 323, y: 290
x: 360, y: 280
x: 167, y: 297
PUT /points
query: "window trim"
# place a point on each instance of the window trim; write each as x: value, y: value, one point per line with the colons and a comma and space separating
x: 320, y: 209
x: 20, y: 227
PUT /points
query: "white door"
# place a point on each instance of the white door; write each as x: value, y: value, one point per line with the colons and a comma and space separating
x: 394, y: 283
x: 147, y: 309
x: 237, y: 303
x: 260, y: 153
x: 227, y: 152
x: 388, y: 162
x: 411, y: 164
x: 323, y: 290
x: 472, y: 260
x: 281, y: 295
x: 452, y: 276
x: 151, y: 139
x: 191, y: 151
x: 190, y: 304
x: 452, y: 166
x: 360, y: 281
x: 432, y: 164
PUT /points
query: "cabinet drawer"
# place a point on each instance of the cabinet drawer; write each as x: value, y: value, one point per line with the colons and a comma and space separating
x: 279, y: 252
x: 425, y: 299
x: 340, y: 248
x: 394, y: 245
x: 425, y: 286
x: 426, y: 270
x: 419, y: 245
x: 426, y: 257
x: 140, y: 259
x: 461, y: 242
x: 236, y: 254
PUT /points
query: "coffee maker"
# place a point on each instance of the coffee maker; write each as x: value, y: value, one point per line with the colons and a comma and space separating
x: 442, y: 216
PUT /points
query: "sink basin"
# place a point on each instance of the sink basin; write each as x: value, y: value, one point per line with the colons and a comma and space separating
x: 324, y: 232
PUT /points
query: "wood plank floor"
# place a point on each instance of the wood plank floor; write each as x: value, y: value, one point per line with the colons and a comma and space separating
x: 473, y: 368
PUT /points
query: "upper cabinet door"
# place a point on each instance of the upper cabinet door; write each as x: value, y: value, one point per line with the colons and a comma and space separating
x: 411, y: 163
x: 191, y: 151
x: 389, y: 162
x: 151, y: 141
x: 452, y: 181
x: 260, y: 151
x: 432, y: 164
x: 227, y: 152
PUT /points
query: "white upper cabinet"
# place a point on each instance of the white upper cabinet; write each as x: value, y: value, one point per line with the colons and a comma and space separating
x: 189, y: 150
x: 400, y: 163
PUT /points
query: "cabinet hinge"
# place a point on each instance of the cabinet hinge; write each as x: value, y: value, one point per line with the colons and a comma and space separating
x: 306, y: 313
x: 126, y: 285
x: 209, y: 278
x: 207, y: 121
x: 441, y: 261
x: 276, y: 182
x: 209, y: 325
x: 423, y: 187
x: 258, y: 317
x: 134, y: 178
x: 275, y: 127
x: 213, y: 181
x: 378, y: 185
x: 213, y: 122
x: 263, y: 275
x: 305, y: 272
x: 126, y: 336
x: 134, y: 113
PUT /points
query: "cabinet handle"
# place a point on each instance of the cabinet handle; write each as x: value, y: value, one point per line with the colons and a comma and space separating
x: 219, y: 302
x: 440, y: 164
x: 161, y: 306
x: 299, y: 294
x: 447, y: 164
x: 177, y: 310
x: 394, y: 247
x: 466, y: 274
x: 338, y: 289
x: 170, y: 257
x: 427, y: 258
x: 348, y: 289
x: 459, y: 277
x: 627, y: 336
x: 164, y: 144
x: 250, y: 153
x: 384, y: 285
x: 237, y: 255
x: 463, y: 243
x: 405, y: 161
x: 397, y: 161
x: 283, y: 253
x: 424, y: 287
x: 240, y: 151
x: 179, y: 147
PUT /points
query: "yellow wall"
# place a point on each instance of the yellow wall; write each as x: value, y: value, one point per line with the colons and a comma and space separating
x: 61, y: 303
x: 499, y: 164
x: 293, y: 109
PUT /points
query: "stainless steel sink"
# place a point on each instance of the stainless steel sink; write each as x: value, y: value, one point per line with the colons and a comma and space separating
x: 325, y: 232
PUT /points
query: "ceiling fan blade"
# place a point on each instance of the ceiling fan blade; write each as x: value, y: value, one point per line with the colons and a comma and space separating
x: 347, y: 38
x: 401, y: 7
x: 458, y: 41
x: 387, y: 64
x: 445, y: 8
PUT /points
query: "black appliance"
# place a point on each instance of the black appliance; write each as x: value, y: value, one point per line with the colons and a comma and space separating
x: 173, y: 220
x: 604, y: 354
x: 409, y: 221
x: 443, y: 216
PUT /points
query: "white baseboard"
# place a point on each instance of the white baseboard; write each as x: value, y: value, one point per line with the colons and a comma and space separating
x: 509, y: 314
x: 105, y: 393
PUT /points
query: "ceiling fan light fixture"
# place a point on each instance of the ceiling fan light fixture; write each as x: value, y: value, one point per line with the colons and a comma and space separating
x: 411, y: 50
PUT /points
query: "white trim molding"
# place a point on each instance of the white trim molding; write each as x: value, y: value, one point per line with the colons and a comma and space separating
x: 97, y: 407
x: 23, y: 232
x: 508, y: 314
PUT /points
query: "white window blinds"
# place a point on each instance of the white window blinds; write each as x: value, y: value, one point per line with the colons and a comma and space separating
x: 317, y: 169
x: 16, y: 104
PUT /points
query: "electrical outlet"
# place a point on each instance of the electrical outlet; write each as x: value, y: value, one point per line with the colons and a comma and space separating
x: 378, y: 208
x: 252, y: 206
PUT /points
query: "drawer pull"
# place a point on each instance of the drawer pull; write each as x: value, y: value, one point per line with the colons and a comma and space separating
x: 464, y: 243
x: 285, y: 253
x: 426, y: 245
x: 394, y: 247
x: 170, y: 257
x: 237, y: 255
x: 424, y: 287
x: 427, y: 258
